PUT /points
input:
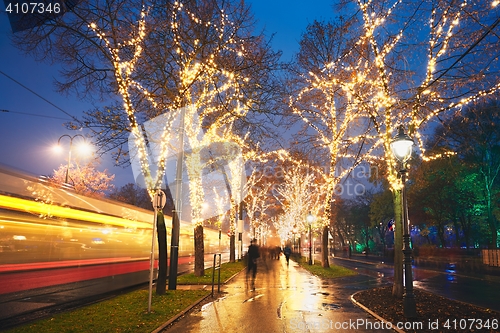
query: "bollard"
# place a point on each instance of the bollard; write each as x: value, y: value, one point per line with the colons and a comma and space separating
x: 216, y: 266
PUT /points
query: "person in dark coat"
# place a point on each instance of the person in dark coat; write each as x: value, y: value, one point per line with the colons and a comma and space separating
x: 253, y: 254
x: 287, y: 252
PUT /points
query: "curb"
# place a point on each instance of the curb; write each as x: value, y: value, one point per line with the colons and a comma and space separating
x: 376, y: 316
x: 232, y: 277
x: 180, y: 314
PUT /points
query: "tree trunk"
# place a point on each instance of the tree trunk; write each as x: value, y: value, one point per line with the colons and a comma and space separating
x: 489, y: 208
x: 161, y: 282
x: 465, y: 224
x: 382, y: 239
x: 491, y: 221
x: 174, y: 250
x: 325, y: 249
x: 232, y: 249
x: 199, y: 251
x: 456, y: 225
x: 397, y: 287
x: 342, y: 240
x: 440, y: 232
x: 493, y: 230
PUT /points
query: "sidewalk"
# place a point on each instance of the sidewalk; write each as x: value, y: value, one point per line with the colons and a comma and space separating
x: 285, y: 299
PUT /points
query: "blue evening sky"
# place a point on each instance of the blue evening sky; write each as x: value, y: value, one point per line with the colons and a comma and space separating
x: 26, y: 139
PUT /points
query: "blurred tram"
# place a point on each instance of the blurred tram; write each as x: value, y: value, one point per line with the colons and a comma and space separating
x: 43, y: 227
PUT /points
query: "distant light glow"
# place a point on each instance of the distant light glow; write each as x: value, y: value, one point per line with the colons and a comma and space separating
x: 57, y: 149
x: 84, y: 148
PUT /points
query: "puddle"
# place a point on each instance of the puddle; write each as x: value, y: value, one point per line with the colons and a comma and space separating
x: 205, y: 306
x: 251, y: 299
x: 330, y: 306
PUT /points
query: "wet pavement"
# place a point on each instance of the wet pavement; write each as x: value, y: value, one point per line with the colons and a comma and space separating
x: 290, y: 299
x: 483, y: 292
x: 478, y: 289
x: 285, y: 299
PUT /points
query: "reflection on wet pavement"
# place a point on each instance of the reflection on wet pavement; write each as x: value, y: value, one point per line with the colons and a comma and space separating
x: 285, y: 299
x: 479, y: 289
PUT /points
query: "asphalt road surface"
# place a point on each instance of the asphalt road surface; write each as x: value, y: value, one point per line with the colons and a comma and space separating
x: 478, y: 289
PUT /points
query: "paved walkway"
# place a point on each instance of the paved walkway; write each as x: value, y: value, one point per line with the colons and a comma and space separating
x: 285, y: 299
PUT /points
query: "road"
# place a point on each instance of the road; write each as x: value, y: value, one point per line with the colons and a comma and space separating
x: 480, y: 290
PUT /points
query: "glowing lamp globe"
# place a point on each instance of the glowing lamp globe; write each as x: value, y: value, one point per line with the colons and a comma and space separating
x: 402, y: 145
x: 310, y: 218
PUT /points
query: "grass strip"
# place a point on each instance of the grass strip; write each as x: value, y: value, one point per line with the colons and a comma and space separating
x: 125, y: 313
x: 331, y: 272
x: 227, y: 271
x: 128, y: 313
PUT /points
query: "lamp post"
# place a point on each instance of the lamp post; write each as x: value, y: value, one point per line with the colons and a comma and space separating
x: 310, y: 219
x: 401, y: 147
x: 71, y: 138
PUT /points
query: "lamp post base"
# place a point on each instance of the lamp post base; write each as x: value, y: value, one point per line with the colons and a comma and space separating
x: 409, y: 306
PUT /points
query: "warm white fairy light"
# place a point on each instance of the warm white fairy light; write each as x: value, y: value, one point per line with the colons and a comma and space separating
x: 300, y: 193
x: 369, y: 79
x: 215, y: 81
x: 219, y: 204
x: 256, y: 199
x: 123, y: 71
x: 202, y: 84
x: 438, y: 156
x: 330, y: 122
x: 442, y: 28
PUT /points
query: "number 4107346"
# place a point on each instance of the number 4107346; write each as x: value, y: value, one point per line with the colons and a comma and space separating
x: 33, y: 8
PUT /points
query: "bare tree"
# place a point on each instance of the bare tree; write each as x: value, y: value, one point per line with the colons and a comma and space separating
x: 205, y: 58
x: 300, y: 194
x: 334, y: 127
x: 256, y: 200
x: 408, y: 62
x: 422, y: 59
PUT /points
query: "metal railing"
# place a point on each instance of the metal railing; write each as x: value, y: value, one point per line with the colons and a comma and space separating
x: 491, y: 257
x: 216, y: 266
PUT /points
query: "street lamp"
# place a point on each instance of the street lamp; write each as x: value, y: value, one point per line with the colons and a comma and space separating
x: 71, y: 138
x: 310, y: 219
x: 401, y: 147
x: 83, y: 146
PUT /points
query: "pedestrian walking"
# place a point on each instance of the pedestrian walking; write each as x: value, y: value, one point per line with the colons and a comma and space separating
x: 287, y: 251
x: 253, y: 254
